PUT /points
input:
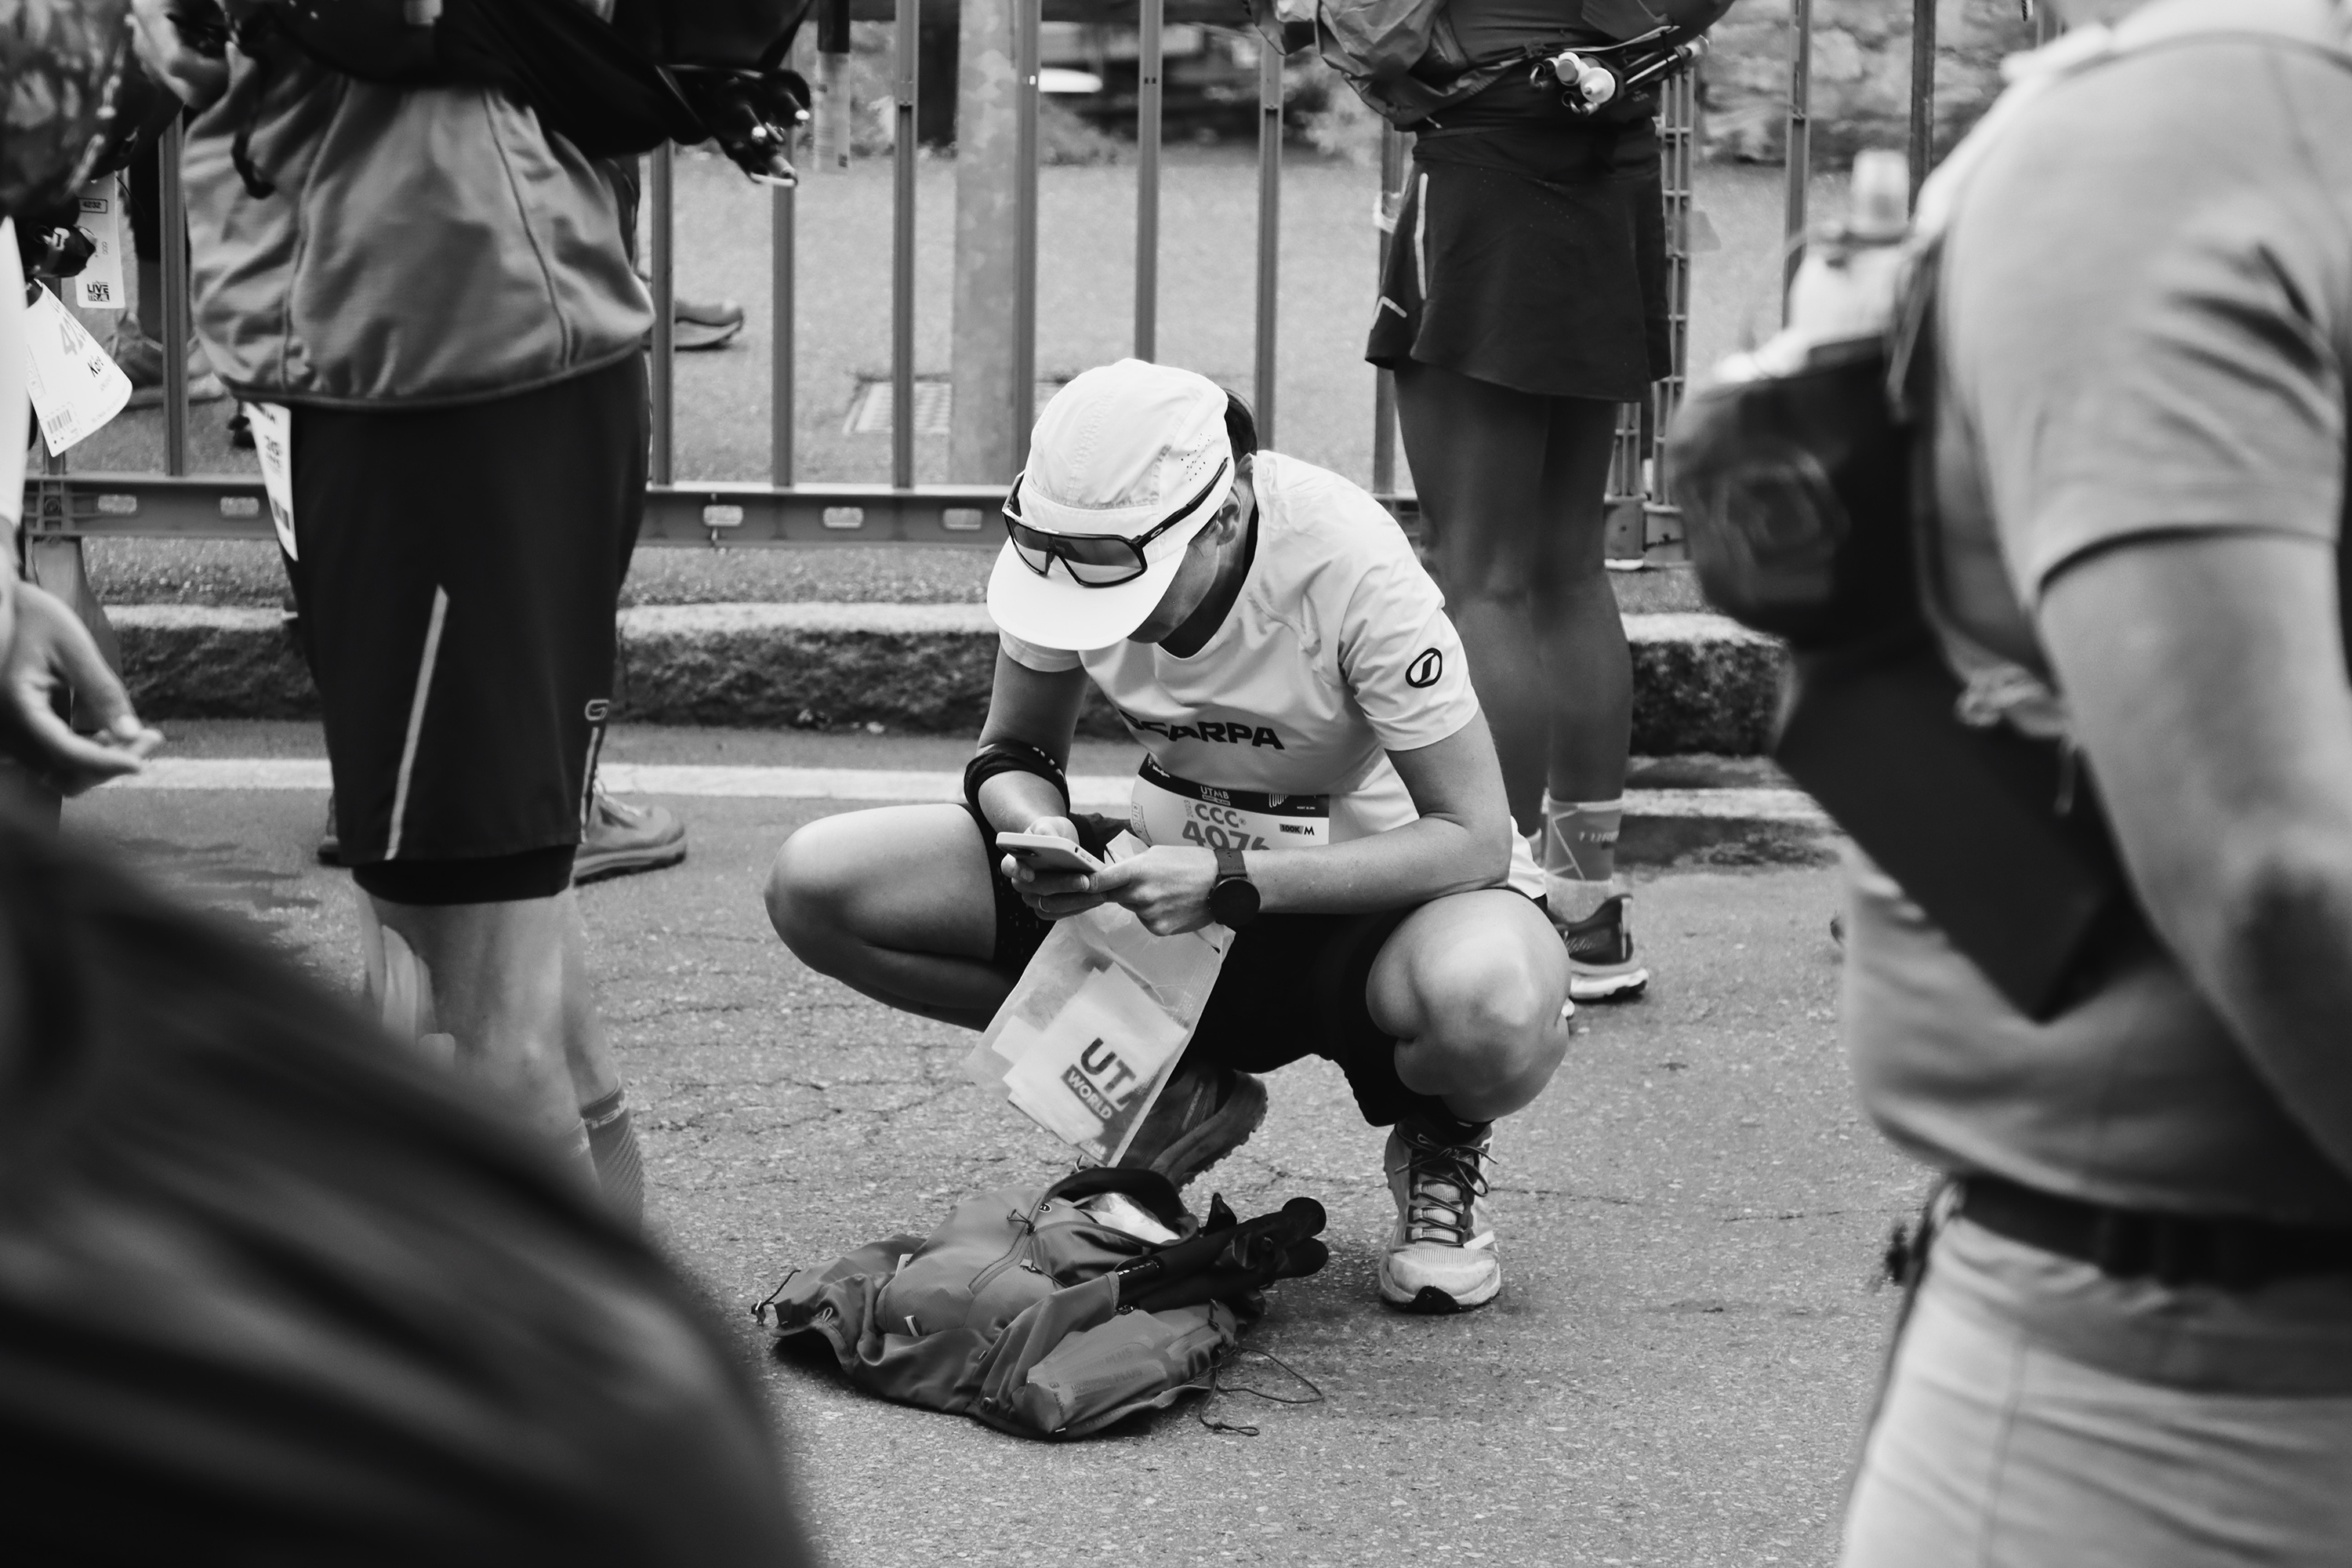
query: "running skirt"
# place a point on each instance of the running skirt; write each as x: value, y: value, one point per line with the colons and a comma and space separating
x: 1532, y: 258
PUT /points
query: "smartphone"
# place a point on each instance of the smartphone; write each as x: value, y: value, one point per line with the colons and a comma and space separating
x: 1048, y: 852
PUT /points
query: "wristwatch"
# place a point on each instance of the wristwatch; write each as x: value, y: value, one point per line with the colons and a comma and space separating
x: 1233, y: 903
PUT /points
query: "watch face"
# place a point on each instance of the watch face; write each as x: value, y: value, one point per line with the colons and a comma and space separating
x: 1234, y: 902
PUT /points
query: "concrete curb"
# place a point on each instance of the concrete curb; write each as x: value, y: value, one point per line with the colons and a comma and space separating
x: 1701, y: 683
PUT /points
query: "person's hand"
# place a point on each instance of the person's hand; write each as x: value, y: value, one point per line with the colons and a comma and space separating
x: 1067, y: 888
x: 1167, y: 887
x: 48, y: 649
x: 199, y: 78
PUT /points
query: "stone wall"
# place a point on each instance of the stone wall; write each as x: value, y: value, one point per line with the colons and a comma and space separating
x: 1861, y: 76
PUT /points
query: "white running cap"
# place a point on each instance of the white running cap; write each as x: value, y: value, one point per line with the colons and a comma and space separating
x: 1120, y: 450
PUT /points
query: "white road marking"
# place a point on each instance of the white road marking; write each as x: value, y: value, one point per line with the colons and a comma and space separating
x: 1092, y: 792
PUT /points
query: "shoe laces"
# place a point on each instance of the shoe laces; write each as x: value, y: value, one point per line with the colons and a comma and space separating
x: 1444, y: 1183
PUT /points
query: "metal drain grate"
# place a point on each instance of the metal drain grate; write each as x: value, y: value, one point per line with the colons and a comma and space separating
x: 869, y: 405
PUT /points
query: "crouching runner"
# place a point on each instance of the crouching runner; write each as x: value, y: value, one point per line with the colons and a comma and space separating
x: 1320, y: 778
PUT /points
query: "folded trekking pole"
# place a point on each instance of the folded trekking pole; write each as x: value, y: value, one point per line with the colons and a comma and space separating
x: 1217, y: 1264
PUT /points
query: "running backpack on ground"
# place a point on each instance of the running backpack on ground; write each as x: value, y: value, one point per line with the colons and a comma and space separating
x: 1049, y: 1312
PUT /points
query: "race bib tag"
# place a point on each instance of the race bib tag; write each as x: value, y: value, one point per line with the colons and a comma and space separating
x: 273, y: 443
x: 74, y: 386
x: 99, y: 286
x: 1170, y: 810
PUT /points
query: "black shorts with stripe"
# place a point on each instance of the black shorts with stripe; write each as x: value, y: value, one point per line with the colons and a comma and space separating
x: 457, y: 572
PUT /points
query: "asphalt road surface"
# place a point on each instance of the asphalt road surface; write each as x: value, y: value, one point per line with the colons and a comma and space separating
x: 1675, y: 1373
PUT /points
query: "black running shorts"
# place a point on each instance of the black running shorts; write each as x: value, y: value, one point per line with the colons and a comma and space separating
x: 457, y: 573
x: 1293, y: 987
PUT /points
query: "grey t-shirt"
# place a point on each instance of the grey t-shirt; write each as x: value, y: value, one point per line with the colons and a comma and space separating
x: 2146, y: 314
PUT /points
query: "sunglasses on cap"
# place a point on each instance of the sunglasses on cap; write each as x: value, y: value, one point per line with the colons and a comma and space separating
x: 1095, y: 560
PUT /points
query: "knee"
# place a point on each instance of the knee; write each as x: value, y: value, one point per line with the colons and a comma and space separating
x: 1496, y: 1019
x: 810, y: 894
x: 1478, y: 568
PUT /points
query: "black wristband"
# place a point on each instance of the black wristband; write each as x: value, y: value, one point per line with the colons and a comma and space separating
x: 1012, y: 757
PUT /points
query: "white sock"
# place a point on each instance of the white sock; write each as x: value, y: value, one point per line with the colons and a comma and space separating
x: 1577, y: 850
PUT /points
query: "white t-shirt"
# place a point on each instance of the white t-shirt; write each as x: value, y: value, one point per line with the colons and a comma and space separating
x: 1338, y: 651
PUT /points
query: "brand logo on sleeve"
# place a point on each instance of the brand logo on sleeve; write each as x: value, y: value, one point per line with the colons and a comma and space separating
x: 1426, y: 667
x: 1229, y: 732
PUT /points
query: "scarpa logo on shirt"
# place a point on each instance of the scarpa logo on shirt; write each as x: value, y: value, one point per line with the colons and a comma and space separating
x: 1229, y: 732
x: 1425, y: 669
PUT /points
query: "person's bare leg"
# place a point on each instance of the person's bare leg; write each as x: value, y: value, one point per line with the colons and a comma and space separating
x: 505, y: 985
x: 1588, y: 669
x: 895, y: 902
x: 1478, y: 457
x: 1474, y: 988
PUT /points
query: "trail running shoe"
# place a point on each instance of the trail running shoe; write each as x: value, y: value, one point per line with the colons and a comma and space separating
x: 703, y: 323
x: 1441, y: 1255
x: 1204, y: 1114
x: 1601, y: 963
x: 622, y: 838
x: 141, y: 358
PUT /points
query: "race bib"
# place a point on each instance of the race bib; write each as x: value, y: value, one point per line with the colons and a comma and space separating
x: 273, y: 443
x: 1170, y: 810
x: 74, y: 386
x: 99, y: 285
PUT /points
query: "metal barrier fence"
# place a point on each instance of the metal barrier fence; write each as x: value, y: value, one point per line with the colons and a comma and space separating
x: 63, y: 506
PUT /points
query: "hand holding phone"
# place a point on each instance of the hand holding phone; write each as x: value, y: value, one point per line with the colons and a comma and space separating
x: 1048, y: 852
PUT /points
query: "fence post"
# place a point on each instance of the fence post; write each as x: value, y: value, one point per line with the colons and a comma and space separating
x: 902, y: 249
x: 1922, y: 93
x: 1796, y: 150
x: 1662, y: 525
x: 1384, y: 425
x: 665, y: 364
x: 1024, y: 254
x: 1269, y: 229
x: 832, y: 114
x: 983, y: 366
x: 783, y: 243
x: 1148, y: 38
x: 172, y: 223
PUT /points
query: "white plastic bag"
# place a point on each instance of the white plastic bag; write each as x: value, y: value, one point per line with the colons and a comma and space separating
x: 1095, y: 1025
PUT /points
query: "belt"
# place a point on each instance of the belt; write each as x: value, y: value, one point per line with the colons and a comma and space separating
x: 2173, y: 1249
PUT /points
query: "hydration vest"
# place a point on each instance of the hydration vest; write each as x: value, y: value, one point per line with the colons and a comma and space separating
x: 1027, y: 1312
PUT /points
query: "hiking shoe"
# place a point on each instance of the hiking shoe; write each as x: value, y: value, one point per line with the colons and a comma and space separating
x: 1441, y: 1255
x: 1601, y: 963
x: 1204, y: 1114
x: 141, y: 358
x: 620, y: 839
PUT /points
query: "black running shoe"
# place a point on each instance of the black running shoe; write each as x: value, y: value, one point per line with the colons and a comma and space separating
x: 1204, y: 1114
x: 1601, y: 963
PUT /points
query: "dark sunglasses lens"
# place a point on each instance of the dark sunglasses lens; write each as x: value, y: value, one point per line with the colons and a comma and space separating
x: 1096, y: 562
x: 1036, y: 558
